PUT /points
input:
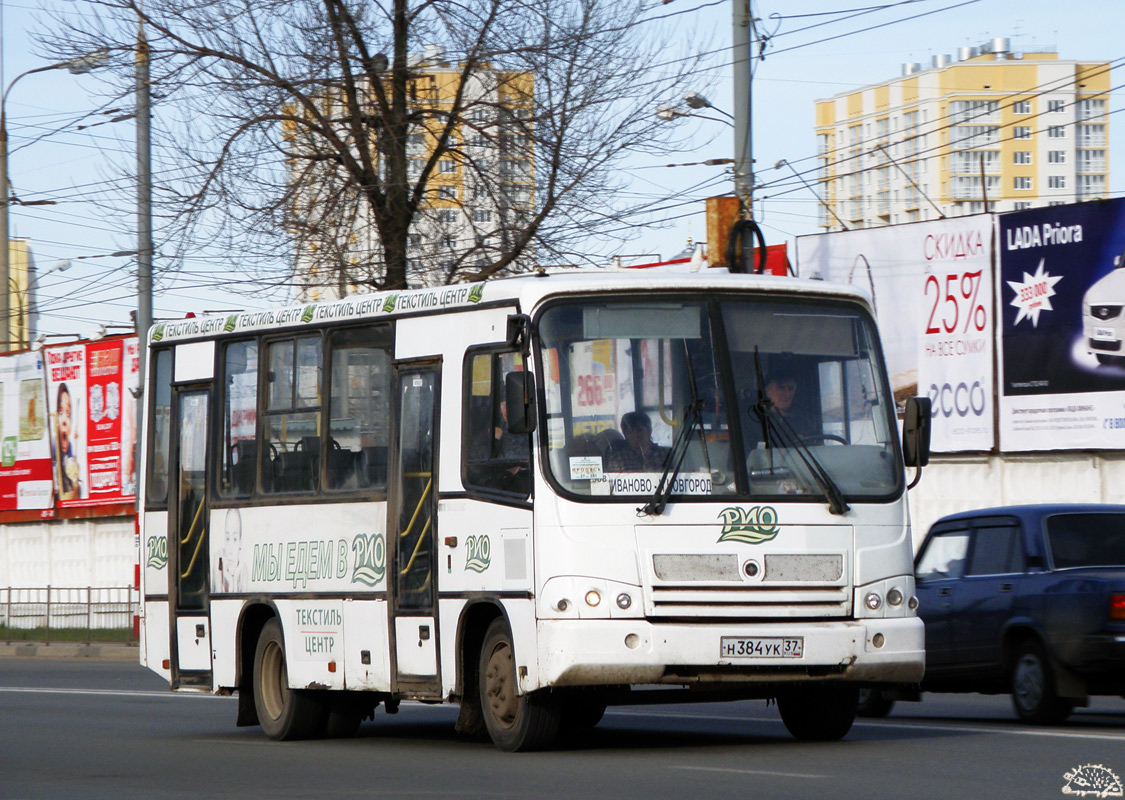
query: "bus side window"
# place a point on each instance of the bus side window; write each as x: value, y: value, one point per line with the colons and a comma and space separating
x: 292, y: 416
x: 360, y: 407
x: 239, y: 457
x: 492, y: 457
x: 157, y: 484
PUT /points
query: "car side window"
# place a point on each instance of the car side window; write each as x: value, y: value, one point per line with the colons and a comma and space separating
x: 944, y: 556
x: 997, y: 550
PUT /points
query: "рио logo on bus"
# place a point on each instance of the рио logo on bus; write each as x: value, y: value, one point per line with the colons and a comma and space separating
x: 370, y: 559
x: 478, y: 553
x: 157, y: 548
x: 752, y: 525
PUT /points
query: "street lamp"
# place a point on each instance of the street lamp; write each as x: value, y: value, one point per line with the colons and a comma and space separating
x: 75, y: 66
x: 25, y: 301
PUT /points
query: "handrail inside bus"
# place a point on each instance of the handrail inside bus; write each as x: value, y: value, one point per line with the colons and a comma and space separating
x: 194, y: 522
x: 198, y: 545
x: 421, y: 500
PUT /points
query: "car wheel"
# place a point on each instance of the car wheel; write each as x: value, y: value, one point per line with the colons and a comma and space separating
x: 1033, y: 687
x: 819, y: 713
x: 873, y: 703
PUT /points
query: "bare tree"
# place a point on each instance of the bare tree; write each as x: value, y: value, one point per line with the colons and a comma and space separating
x: 319, y: 138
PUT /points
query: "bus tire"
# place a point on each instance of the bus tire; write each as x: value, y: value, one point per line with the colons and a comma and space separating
x: 283, y: 713
x: 515, y: 722
x: 819, y: 713
x: 873, y: 703
x: 342, y: 716
x: 582, y: 710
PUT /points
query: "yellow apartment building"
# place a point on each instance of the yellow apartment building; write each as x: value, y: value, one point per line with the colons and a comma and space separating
x: 991, y: 129
x: 469, y: 212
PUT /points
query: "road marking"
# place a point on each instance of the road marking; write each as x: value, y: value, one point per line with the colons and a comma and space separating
x: 754, y: 772
x: 107, y: 692
x: 937, y: 725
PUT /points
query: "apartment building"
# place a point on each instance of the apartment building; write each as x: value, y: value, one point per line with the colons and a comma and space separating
x: 992, y: 130
x: 475, y: 201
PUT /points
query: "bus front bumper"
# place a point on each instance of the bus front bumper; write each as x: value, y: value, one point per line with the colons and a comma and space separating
x: 638, y: 652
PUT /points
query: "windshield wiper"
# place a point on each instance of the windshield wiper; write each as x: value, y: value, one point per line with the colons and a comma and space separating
x: 692, y: 417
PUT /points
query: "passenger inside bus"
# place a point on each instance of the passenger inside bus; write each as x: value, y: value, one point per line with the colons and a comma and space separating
x: 637, y: 452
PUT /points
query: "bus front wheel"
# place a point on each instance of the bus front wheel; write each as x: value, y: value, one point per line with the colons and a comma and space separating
x: 283, y: 713
x: 820, y: 713
x: 515, y: 722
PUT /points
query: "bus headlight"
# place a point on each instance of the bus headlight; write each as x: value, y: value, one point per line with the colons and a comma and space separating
x: 894, y: 597
x: 593, y: 599
x: 624, y: 601
x: 873, y: 601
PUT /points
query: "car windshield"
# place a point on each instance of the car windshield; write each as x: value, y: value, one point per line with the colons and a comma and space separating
x: 1087, y: 540
x: 757, y: 397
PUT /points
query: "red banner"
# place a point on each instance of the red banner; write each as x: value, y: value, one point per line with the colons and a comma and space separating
x: 93, y: 430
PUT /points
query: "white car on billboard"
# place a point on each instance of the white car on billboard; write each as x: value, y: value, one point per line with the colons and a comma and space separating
x: 1103, y: 324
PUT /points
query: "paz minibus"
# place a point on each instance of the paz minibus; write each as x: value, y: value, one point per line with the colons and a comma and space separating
x: 533, y: 497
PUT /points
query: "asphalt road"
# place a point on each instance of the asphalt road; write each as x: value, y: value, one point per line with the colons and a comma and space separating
x: 95, y: 729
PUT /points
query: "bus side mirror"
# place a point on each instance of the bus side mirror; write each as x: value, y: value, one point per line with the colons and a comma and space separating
x: 916, y: 432
x: 519, y: 394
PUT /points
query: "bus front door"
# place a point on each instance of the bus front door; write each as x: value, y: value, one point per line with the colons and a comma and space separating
x: 411, y: 529
x: 189, y: 558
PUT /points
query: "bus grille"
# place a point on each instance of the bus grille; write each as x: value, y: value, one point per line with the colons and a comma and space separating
x: 714, y: 585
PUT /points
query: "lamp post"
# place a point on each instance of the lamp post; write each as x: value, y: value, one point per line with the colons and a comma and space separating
x: 26, y: 303
x: 76, y: 66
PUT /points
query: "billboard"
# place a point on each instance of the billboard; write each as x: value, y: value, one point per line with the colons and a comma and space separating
x: 92, y: 412
x: 25, y: 469
x: 931, y: 286
x: 1062, y: 293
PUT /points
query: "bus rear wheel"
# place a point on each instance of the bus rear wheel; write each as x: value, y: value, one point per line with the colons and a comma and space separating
x: 822, y: 713
x: 283, y: 713
x: 515, y: 722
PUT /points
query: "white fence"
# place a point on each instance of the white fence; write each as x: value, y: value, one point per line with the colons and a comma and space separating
x: 51, y: 608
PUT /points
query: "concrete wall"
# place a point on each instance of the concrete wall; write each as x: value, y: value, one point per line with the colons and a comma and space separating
x: 960, y: 483
x: 81, y: 552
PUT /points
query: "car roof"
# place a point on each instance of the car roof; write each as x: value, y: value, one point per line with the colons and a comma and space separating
x: 1034, y: 511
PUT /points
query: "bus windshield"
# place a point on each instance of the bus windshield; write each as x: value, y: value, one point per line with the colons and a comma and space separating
x: 758, y: 398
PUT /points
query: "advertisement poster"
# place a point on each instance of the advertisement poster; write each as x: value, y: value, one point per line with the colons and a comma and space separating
x: 25, y: 471
x: 931, y: 286
x: 92, y: 420
x: 1062, y: 292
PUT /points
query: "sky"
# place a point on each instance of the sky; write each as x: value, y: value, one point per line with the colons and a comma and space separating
x: 816, y: 49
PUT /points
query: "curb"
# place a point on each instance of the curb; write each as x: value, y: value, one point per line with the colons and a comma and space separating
x: 103, y: 652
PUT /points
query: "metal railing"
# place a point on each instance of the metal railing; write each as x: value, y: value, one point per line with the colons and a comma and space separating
x: 74, y: 614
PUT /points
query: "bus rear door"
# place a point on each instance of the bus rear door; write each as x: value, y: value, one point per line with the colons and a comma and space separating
x: 411, y: 527
x: 189, y: 519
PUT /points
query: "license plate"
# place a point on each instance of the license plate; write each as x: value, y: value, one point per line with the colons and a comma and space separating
x: 1105, y: 333
x: 762, y: 647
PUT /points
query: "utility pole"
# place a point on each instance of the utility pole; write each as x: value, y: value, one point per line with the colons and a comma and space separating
x: 144, y: 228
x: 742, y: 30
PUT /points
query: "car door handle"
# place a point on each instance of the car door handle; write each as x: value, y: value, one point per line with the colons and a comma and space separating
x: 1006, y: 587
x: 944, y: 591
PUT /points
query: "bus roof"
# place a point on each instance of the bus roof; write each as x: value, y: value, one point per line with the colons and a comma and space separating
x: 526, y: 291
